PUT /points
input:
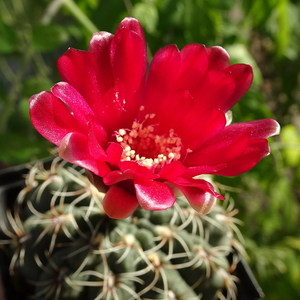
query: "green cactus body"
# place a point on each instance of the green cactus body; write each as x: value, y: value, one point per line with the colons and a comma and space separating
x: 67, y: 248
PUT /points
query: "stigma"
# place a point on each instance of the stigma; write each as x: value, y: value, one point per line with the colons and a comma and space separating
x: 143, y: 145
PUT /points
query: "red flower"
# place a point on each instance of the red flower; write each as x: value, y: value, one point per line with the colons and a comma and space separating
x: 140, y: 135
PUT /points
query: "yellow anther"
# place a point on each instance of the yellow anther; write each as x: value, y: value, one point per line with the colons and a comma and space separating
x: 122, y: 132
x: 143, y: 145
x: 133, y: 133
x: 171, y: 155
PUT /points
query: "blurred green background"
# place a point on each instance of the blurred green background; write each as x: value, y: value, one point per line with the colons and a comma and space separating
x: 263, y: 33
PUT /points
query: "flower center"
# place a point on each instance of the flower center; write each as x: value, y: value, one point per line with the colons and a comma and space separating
x: 148, y: 149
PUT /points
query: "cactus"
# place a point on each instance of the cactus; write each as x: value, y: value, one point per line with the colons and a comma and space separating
x: 61, y: 241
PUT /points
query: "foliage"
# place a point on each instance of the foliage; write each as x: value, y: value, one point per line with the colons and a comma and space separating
x: 33, y: 34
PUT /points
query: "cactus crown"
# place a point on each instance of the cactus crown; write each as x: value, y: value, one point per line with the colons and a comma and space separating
x: 67, y: 248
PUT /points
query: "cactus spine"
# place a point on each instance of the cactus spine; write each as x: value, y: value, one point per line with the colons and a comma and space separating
x: 67, y: 248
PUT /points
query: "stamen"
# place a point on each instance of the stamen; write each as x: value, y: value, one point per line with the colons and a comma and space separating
x: 148, y: 149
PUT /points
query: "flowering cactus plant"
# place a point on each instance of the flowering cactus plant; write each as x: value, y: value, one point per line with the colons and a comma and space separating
x: 137, y: 141
x: 143, y: 135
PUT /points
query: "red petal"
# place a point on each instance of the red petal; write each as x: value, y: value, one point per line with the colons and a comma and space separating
x: 114, y: 152
x: 256, y: 150
x: 133, y: 25
x: 119, y: 204
x: 232, y: 142
x: 242, y: 75
x: 154, y: 195
x: 172, y: 170
x: 176, y: 105
x: 74, y: 148
x: 73, y: 100
x: 224, y: 147
x: 171, y: 77
x: 115, y: 177
x: 198, y: 170
x: 200, y: 200
x: 193, y: 66
x: 188, y: 70
x: 222, y: 88
x: 162, y: 76
x: 202, y: 74
x: 194, y: 130
x: 136, y: 170
x: 129, y: 61
x: 259, y: 129
x: 131, y: 171
x: 100, y: 47
x: 94, y: 146
x: 80, y: 110
x: 197, y: 183
x: 51, y: 117
x: 216, y: 88
x: 115, y: 101
x: 79, y: 68
x: 218, y: 58
x: 100, y: 134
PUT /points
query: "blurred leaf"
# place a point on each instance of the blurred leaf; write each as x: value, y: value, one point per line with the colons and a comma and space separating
x: 293, y: 242
x: 222, y: 4
x: 74, y: 31
x: 292, y: 263
x: 80, y: 15
x: 283, y: 34
x: 147, y: 14
x: 8, y: 39
x: 293, y: 16
x: 202, y: 22
x: 18, y: 148
x: 282, y: 207
x: 291, y: 145
x: 225, y: 4
x: 257, y: 11
x: 108, y: 14
x: 47, y: 37
x: 84, y: 4
x: 279, y: 27
x: 33, y: 85
x: 24, y: 110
